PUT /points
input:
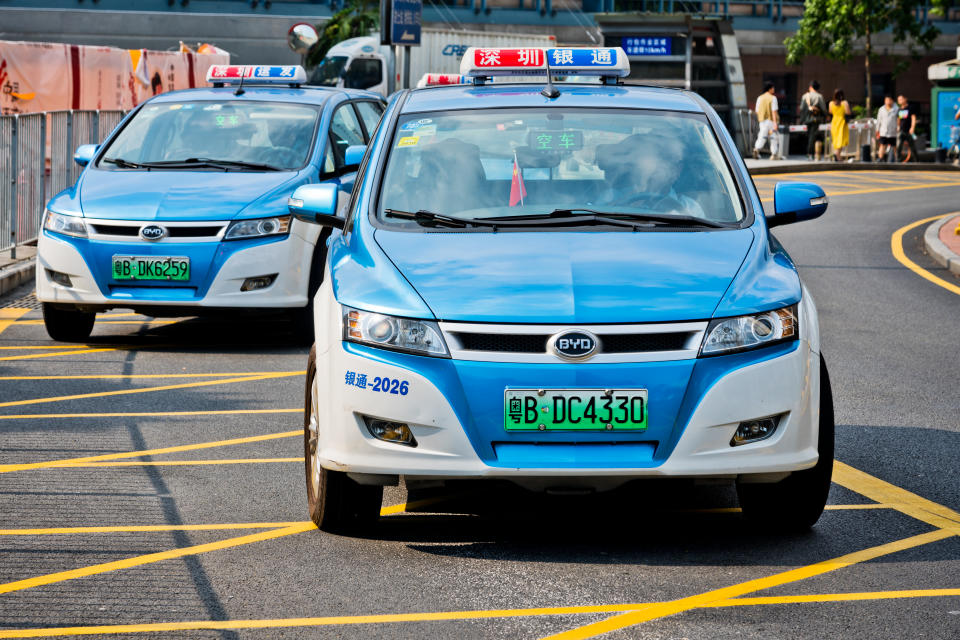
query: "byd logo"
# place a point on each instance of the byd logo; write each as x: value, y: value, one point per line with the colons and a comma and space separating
x: 152, y: 232
x: 574, y: 345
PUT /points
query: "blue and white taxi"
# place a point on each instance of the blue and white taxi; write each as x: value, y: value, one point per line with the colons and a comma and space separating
x: 565, y: 286
x: 183, y: 209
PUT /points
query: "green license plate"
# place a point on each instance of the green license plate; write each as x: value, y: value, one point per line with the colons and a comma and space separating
x: 175, y: 268
x: 574, y: 409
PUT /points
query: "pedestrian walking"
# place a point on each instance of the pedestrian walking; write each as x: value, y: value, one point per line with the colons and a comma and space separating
x: 908, y: 124
x: 887, y: 130
x: 813, y: 113
x: 769, y: 117
x: 839, y: 110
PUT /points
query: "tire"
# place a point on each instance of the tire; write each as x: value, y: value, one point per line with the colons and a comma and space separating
x: 67, y: 325
x: 795, y: 503
x: 336, y: 503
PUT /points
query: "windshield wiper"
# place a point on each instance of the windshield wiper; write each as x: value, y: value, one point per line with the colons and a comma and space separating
x: 226, y: 165
x: 124, y: 164
x: 431, y: 219
x: 567, y: 216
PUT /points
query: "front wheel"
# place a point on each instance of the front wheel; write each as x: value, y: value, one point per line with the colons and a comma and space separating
x: 796, y: 502
x: 67, y: 325
x: 336, y: 503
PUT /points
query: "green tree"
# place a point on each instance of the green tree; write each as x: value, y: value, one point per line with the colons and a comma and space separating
x: 830, y: 28
x: 357, y: 18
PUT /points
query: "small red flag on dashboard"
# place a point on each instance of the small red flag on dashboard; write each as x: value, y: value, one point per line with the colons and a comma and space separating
x: 517, y: 191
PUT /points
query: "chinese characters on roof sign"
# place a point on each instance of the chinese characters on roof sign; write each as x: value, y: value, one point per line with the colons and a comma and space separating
x: 648, y: 46
x: 232, y: 73
x: 480, y: 62
x: 405, y: 18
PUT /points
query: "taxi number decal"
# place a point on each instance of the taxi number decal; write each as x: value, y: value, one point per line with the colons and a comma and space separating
x: 392, y: 386
x: 408, y: 141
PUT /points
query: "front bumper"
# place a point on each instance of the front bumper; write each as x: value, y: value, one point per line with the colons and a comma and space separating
x: 218, y: 269
x: 454, y: 409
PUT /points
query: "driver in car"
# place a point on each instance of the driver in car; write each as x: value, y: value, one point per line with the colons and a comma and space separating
x: 641, y: 171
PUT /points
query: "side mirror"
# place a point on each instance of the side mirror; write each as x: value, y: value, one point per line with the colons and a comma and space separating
x: 316, y: 204
x: 84, y: 154
x: 353, y: 156
x: 796, y: 202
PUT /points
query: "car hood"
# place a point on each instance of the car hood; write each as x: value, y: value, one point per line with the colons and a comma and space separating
x: 564, y: 277
x: 183, y: 195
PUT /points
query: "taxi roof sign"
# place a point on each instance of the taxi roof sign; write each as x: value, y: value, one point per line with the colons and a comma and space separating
x: 437, y: 79
x: 480, y: 62
x: 256, y: 74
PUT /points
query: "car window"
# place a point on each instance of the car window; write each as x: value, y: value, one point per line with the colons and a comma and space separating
x: 370, y: 113
x: 276, y: 134
x: 329, y: 163
x: 363, y: 73
x: 462, y: 163
x: 344, y: 131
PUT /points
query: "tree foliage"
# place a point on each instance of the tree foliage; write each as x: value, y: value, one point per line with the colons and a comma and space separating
x: 357, y: 18
x: 831, y: 28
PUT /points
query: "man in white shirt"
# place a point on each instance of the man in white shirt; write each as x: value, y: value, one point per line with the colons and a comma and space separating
x: 886, y: 129
x: 769, y: 118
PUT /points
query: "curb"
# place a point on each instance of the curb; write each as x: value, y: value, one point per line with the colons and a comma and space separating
x: 16, y: 275
x: 814, y: 167
x: 939, y: 251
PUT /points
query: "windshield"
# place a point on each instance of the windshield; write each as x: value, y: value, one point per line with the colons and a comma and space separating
x: 276, y: 135
x: 461, y: 163
x: 328, y: 72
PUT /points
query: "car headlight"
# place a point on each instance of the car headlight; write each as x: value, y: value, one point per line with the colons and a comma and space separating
x: 727, y: 335
x: 67, y: 225
x: 389, y: 332
x: 257, y: 228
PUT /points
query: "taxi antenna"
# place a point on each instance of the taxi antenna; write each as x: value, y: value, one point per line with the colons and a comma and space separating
x: 549, y: 91
x: 240, y: 91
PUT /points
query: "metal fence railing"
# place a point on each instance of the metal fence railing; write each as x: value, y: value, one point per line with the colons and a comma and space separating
x: 36, y: 163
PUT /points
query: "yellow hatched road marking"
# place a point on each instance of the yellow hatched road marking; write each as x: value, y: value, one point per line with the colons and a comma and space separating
x: 441, y: 616
x: 146, y: 528
x: 145, y: 414
x: 896, y: 246
x: 9, y: 317
x: 144, y: 376
x: 50, y: 346
x: 7, y: 468
x: 171, y: 463
x: 39, y: 322
x: 169, y: 387
x: 662, y: 610
x: 77, y: 351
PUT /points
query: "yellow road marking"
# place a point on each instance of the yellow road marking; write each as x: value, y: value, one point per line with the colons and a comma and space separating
x: 900, y: 499
x: 149, y: 558
x: 77, y: 351
x: 169, y: 387
x: 674, y: 607
x: 146, y: 528
x: 884, y: 189
x: 172, y: 463
x: 896, y: 246
x: 144, y: 376
x: 145, y: 414
x: 37, y: 322
x: 9, y: 317
x: 7, y: 468
x: 837, y: 597
x: 49, y: 346
x: 441, y: 616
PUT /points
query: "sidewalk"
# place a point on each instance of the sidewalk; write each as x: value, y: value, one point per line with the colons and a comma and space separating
x: 942, y: 242
x: 800, y: 164
x: 17, y: 271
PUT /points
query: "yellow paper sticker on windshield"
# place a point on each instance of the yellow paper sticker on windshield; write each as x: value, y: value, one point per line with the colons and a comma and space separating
x: 409, y: 141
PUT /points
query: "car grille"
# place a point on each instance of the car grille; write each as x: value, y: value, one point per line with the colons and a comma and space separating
x: 176, y: 231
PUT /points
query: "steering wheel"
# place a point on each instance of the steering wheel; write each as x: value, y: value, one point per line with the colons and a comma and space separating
x: 657, y: 202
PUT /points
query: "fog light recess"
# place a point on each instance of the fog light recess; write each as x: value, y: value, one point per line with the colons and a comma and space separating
x: 754, y: 430
x: 388, y: 431
x: 260, y: 282
x: 60, y: 278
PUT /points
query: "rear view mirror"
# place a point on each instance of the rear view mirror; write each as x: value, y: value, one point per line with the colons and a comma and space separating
x: 353, y: 156
x: 796, y: 202
x: 84, y: 154
x: 316, y: 204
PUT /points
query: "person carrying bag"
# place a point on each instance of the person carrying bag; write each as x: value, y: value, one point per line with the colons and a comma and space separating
x: 813, y: 113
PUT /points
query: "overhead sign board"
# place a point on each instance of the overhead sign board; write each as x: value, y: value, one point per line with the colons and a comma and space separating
x: 648, y: 45
x: 405, y: 19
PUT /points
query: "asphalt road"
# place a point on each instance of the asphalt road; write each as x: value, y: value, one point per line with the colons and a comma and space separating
x: 211, y: 541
